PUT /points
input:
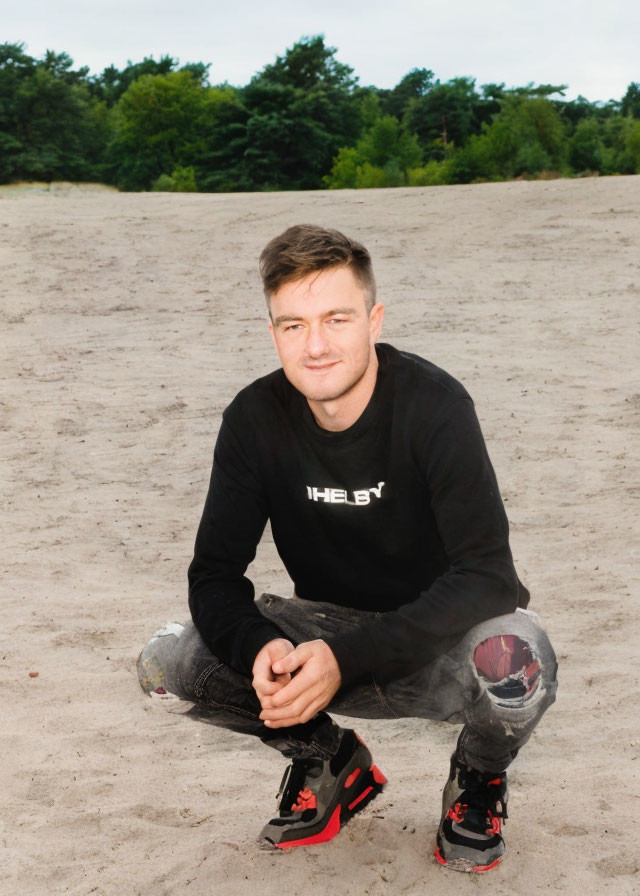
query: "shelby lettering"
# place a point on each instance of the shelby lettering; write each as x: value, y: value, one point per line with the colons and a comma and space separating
x: 341, y: 496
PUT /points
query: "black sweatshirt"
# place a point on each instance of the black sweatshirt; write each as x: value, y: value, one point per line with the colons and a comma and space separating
x: 400, y: 513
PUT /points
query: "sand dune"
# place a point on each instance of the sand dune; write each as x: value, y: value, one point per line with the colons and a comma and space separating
x: 128, y: 322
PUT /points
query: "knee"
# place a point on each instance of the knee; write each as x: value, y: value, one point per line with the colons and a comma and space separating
x: 516, y: 664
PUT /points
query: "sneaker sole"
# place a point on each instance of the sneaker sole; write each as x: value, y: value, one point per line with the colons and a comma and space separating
x: 465, y: 865
x: 364, y: 788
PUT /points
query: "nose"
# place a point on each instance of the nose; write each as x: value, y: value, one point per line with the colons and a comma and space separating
x: 316, y: 345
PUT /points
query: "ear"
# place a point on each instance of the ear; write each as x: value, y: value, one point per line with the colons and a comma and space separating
x: 376, y: 316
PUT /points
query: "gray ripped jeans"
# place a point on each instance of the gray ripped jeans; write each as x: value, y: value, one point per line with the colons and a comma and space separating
x: 497, y: 681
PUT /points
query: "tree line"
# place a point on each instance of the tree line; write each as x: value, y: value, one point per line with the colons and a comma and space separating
x: 302, y: 123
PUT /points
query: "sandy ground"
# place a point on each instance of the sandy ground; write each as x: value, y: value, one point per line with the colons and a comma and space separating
x: 128, y: 322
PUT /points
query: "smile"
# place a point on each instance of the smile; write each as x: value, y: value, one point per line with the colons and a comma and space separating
x: 320, y: 368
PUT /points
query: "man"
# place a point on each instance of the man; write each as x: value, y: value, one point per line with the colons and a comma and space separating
x: 371, y: 467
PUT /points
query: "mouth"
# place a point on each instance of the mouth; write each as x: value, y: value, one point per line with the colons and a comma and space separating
x: 320, y: 368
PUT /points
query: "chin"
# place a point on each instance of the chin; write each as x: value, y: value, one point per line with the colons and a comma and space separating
x: 322, y: 396
x: 328, y: 392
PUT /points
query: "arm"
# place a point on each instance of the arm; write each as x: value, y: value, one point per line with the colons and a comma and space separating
x: 480, y: 582
x: 221, y: 597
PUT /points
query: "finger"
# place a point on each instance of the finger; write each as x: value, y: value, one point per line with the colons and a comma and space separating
x: 271, y: 684
x: 283, y: 677
x: 292, y: 661
x: 296, y: 708
x: 299, y: 719
x: 298, y: 685
x: 271, y: 700
x: 282, y: 723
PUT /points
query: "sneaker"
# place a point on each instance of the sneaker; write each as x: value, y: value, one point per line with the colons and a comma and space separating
x: 474, y: 805
x: 318, y: 796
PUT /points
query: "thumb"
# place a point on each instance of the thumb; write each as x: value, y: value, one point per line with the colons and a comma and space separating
x: 290, y: 662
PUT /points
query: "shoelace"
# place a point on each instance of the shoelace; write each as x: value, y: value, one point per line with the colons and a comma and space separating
x: 486, y: 806
x: 293, y: 794
x: 459, y: 810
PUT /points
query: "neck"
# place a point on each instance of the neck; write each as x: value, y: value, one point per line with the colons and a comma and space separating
x: 342, y: 412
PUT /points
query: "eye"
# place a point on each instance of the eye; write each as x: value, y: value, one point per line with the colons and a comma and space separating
x: 292, y: 327
x: 338, y: 320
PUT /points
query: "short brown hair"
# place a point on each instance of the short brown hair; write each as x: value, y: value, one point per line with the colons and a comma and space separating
x: 305, y: 248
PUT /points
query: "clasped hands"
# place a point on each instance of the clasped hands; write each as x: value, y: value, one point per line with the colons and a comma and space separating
x: 294, y: 683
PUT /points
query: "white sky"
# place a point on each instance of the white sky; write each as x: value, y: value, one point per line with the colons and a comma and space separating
x: 591, y: 45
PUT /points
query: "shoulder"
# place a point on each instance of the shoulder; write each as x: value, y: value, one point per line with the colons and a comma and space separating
x: 416, y: 378
x: 261, y: 398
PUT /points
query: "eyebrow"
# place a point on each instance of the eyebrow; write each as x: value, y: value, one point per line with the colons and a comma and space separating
x: 288, y: 318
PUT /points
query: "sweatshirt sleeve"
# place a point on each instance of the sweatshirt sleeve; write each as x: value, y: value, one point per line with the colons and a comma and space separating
x: 480, y: 581
x: 221, y: 597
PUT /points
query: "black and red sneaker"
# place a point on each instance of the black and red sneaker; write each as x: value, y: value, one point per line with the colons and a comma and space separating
x: 474, y: 805
x: 318, y: 796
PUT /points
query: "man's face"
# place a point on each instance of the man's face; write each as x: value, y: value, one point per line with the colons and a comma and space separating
x: 324, y: 334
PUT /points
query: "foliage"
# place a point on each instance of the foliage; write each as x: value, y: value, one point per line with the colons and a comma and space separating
x: 524, y: 138
x: 160, y: 122
x: 301, y: 110
x: 415, y: 85
x: 112, y: 83
x: 382, y: 157
x: 181, y: 180
x: 433, y: 174
x: 446, y: 113
x: 632, y: 147
x: 630, y: 104
x: 302, y: 122
x: 50, y: 126
x: 586, y: 147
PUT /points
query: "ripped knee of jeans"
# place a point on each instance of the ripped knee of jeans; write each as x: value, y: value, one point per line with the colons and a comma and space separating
x: 509, y: 669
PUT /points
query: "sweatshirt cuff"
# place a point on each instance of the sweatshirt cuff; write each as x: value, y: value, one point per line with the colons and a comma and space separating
x: 255, y: 640
x: 355, y: 655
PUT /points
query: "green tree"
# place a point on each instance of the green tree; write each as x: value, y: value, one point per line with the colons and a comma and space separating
x: 50, y: 125
x: 632, y: 147
x: 413, y: 86
x: 181, y: 180
x: 112, y: 83
x: 300, y: 111
x: 382, y: 157
x: 526, y: 137
x: 487, y: 104
x: 161, y: 122
x: 586, y: 147
x: 446, y: 113
x: 387, y: 141
x: 620, y: 135
x: 16, y: 69
x: 630, y: 104
x: 222, y: 164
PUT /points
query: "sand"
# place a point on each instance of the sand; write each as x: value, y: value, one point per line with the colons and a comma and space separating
x: 128, y: 323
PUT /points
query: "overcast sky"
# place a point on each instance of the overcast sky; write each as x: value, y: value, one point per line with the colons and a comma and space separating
x: 591, y: 45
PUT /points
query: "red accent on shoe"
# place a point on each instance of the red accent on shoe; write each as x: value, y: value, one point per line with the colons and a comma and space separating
x: 457, y: 812
x: 439, y: 857
x: 332, y: 828
x: 359, y: 798
x: 477, y: 868
x: 495, y: 825
x: 306, y: 800
x: 496, y: 781
x: 354, y: 774
x: 480, y: 868
x: 378, y: 777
